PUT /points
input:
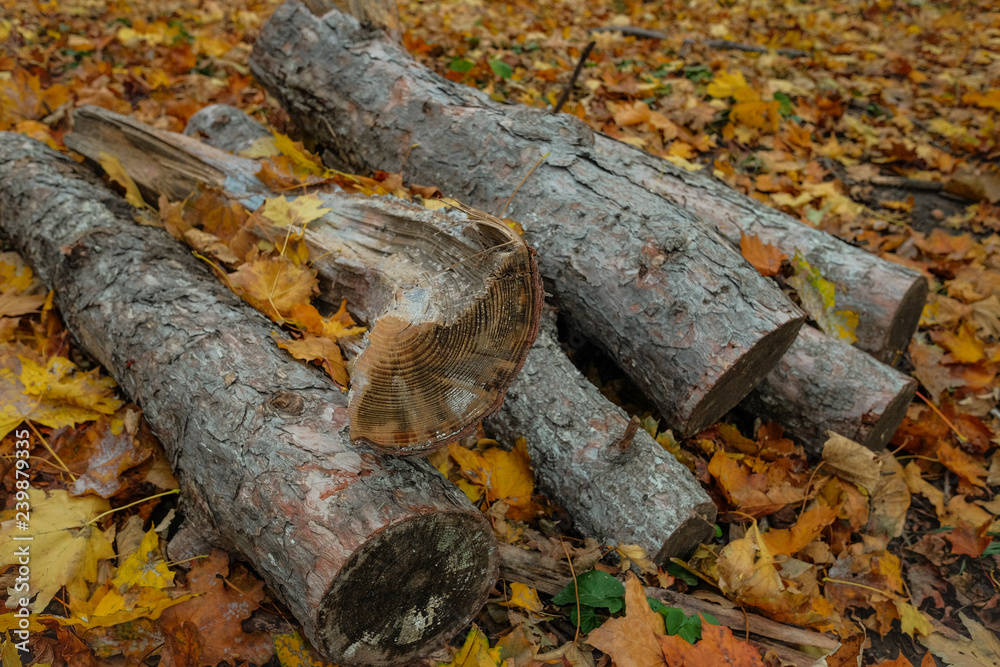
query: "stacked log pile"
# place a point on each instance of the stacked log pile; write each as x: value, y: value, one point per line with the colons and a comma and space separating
x: 629, y: 242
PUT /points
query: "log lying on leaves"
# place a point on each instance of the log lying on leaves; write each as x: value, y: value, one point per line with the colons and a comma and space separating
x: 378, y: 557
x: 619, y: 489
x: 368, y: 102
x: 693, y: 323
x: 453, y: 304
x: 847, y: 391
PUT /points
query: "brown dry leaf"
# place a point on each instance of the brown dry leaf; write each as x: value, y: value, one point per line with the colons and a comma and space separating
x: 717, y: 647
x: 765, y: 257
x: 980, y: 649
x: 321, y: 349
x: 632, y: 640
x: 104, y: 450
x: 890, y: 499
x: 274, y: 285
x: 754, y: 493
x: 227, y: 597
x: 631, y: 114
x: 210, y: 244
x: 851, y: 462
x: 116, y: 172
x: 849, y: 654
x: 963, y: 465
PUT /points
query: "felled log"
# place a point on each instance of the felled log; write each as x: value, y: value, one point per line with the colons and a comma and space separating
x: 368, y: 102
x: 847, y: 391
x: 453, y: 304
x: 378, y: 557
x: 693, y: 323
x: 619, y: 486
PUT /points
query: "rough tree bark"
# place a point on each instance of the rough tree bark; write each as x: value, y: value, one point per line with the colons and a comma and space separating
x: 453, y: 303
x: 470, y: 144
x: 634, y: 495
x: 378, y: 557
x: 693, y: 323
x: 844, y: 390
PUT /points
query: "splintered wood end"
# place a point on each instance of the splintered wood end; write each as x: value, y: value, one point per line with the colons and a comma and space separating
x: 443, y: 356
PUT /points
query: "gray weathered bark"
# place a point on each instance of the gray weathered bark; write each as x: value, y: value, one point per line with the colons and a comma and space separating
x: 452, y: 301
x: 844, y: 389
x: 378, y: 557
x: 693, y: 323
x: 461, y: 134
x: 637, y: 494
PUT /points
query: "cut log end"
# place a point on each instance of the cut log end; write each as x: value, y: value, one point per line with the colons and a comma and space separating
x: 431, y: 374
x: 411, y: 585
x: 907, y: 316
x: 885, y: 425
x: 742, y: 376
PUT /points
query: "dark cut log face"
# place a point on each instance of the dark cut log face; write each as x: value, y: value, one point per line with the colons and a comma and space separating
x: 431, y: 370
x: 377, y: 612
x: 452, y: 303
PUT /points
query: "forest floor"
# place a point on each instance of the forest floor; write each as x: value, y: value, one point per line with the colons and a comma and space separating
x: 876, y: 121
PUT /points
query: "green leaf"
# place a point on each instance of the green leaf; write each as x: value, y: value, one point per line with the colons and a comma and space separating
x: 708, y: 618
x: 501, y: 69
x: 786, y: 108
x: 676, y: 570
x: 461, y: 65
x: 673, y: 620
x: 698, y: 73
x: 690, y: 630
x: 589, y: 620
x: 597, y: 589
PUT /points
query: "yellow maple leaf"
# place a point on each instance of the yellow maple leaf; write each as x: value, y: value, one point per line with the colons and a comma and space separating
x: 302, y: 161
x: 144, y: 567
x: 273, y: 285
x: 819, y: 300
x: 912, y: 619
x: 298, y: 212
x: 107, y: 607
x: 476, y: 652
x: 65, y: 548
x: 524, y: 596
x: 729, y: 84
x: 55, y: 394
x: 294, y: 651
x: 116, y: 172
x: 15, y: 273
x: 965, y: 347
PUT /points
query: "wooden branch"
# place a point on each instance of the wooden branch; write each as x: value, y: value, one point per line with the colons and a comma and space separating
x: 693, y: 323
x: 634, y: 494
x: 378, y: 557
x: 453, y: 305
x: 550, y: 575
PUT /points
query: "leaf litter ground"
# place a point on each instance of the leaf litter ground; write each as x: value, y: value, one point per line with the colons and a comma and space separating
x: 875, y: 121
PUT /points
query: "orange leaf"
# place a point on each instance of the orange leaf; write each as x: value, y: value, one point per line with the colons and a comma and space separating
x: 633, y: 640
x: 274, y: 285
x: 765, y: 257
x: 962, y: 464
x: 321, y: 349
x: 810, y: 524
x: 632, y: 115
x: 968, y: 540
x: 717, y: 647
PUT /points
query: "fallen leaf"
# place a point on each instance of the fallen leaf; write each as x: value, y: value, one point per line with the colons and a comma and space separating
x: 851, y: 462
x: 116, y: 172
x: 980, y: 649
x: 632, y: 640
x: 765, y: 257
x: 717, y: 647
